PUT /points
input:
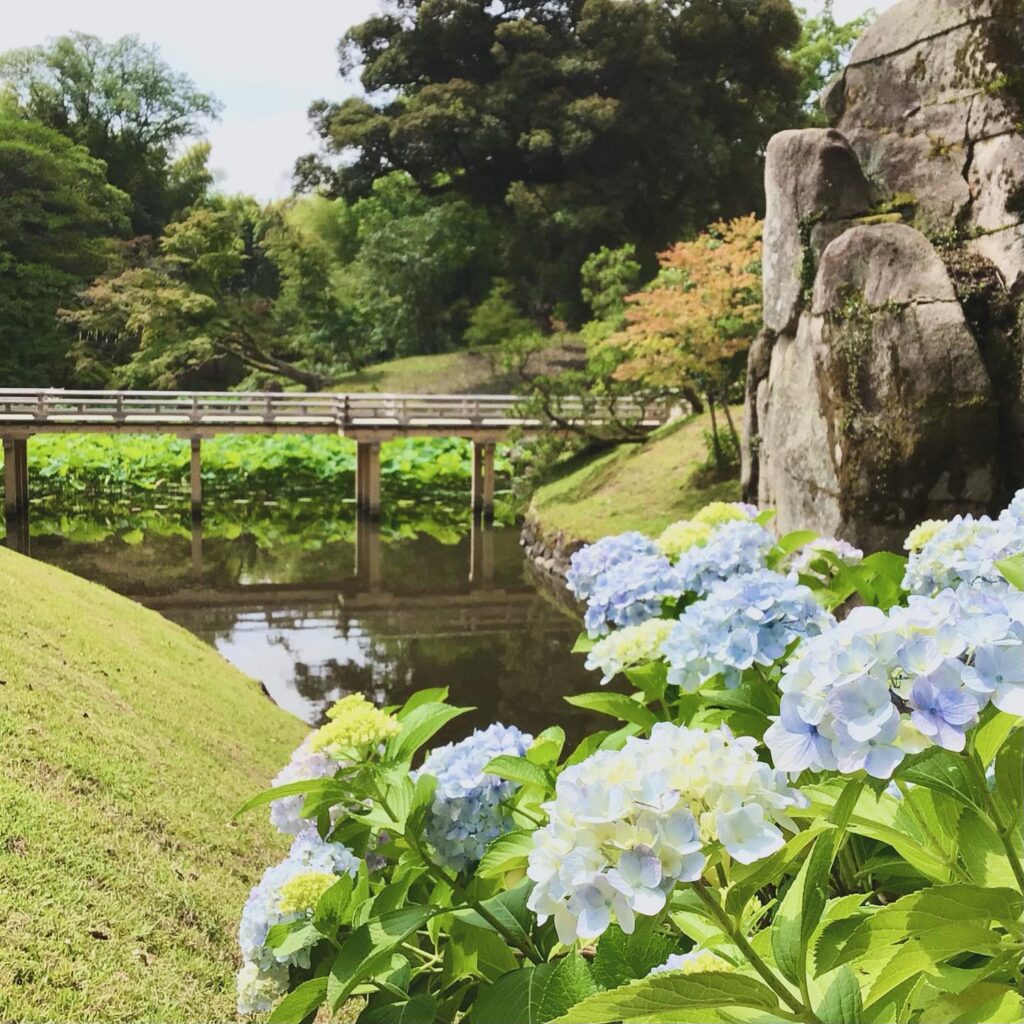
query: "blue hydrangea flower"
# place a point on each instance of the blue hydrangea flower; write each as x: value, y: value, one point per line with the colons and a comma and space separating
x: 590, y: 563
x: 285, y: 813
x: 631, y: 592
x: 1014, y: 513
x: 735, y: 549
x: 747, y: 620
x: 466, y: 813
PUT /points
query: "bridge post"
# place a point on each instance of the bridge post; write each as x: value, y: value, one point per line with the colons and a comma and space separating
x: 481, y: 555
x: 368, y: 554
x: 196, y: 477
x: 368, y: 478
x: 16, y: 495
x: 483, y: 480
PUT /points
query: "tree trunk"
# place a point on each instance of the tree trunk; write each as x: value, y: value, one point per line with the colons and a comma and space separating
x: 716, y: 444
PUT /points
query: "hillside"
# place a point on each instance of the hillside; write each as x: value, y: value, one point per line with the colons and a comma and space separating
x: 642, y: 486
x: 125, y: 747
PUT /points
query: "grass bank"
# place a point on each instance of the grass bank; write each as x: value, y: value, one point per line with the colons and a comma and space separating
x: 447, y: 373
x: 125, y: 746
x: 642, y: 486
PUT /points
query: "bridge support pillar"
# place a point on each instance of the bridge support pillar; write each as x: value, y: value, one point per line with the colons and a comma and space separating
x: 368, y: 478
x: 16, y: 496
x: 196, y: 477
x: 481, y: 555
x: 483, y: 480
x: 368, y: 555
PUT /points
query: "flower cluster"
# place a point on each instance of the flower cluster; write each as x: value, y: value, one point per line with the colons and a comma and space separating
x: 305, y: 764
x: 804, y: 558
x: 589, y: 564
x: 354, y: 727
x: 466, y: 813
x: 629, y: 647
x: 695, y: 962
x: 744, y: 621
x: 964, y: 550
x: 879, y: 686
x: 629, y: 593
x: 696, y: 532
x: 737, y: 548
x: 627, y: 825
x: 283, y: 895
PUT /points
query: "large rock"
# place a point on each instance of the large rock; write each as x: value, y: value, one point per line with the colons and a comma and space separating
x: 879, y: 412
x: 932, y: 103
x: 812, y: 178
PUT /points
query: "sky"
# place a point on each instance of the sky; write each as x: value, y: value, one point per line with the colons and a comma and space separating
x: 265, y: 60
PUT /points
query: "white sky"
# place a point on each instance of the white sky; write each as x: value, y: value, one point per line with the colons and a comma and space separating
x: 264, y: 60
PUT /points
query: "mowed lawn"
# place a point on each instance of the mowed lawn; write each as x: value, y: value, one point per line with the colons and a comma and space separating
x: 642, y: 486
x: 125, y: 747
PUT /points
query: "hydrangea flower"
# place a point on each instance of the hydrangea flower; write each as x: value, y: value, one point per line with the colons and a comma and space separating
x: 301, y: 893
x: 718, y: 513
x: 259, y: 988
x: 744, y: 621
x: 305, y: 764
x: 626, y: 825
x: 590, y: 563
x: 466, y: 813
x: 632, y: 592
x: 964, y: 550
x: 355, y: 725
x: 629, y: 647
x: 804, y: 557
x: 734, y: 549
x: 263, y: 909
x: 879, y: 686
x: 1014, y: 512
x: 694, y: 962
x: 923, y: 533
x: 679, y: 537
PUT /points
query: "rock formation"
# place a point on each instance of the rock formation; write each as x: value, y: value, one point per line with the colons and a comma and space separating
x: 886, y: 386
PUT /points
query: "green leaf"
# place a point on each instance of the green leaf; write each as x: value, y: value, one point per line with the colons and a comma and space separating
x: 518, y: 769
x: 291, y: 938
x: 982, y: 852
x: 421, y: 725
x: 331, y: 909
x: 432, y: 695
x: 992, y: 733
x: 622, y: 958
x: 791, y: 541
x: 533, y: 995
x: 986, y: 1003
x: 616, y: 705
x: 651, y: 679
x: 663, y: 997
x: 301, y: 1004
x: 417, y: 1010
x: 508, y: 908
x: 843, y: 1003
x: 504, y: 854
x: 584, y: 644
x: 368, y: 949
x: 547, y: 747
x: 1013, y: 570
x: 944, y: 772
x: 475, y: 953
x: 332, y: 789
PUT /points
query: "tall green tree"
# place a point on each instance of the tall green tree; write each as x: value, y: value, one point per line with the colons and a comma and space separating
x: 57, y: 216
x: 575, y: 123
x: 126, y: 106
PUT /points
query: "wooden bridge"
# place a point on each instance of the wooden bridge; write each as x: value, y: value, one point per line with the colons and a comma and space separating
x: 369, y: 419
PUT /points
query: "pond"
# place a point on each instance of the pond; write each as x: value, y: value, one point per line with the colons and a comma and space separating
x: 315, y: 606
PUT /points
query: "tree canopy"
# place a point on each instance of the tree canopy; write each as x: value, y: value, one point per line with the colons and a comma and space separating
x: 126, y: 106
x: 575, y: 123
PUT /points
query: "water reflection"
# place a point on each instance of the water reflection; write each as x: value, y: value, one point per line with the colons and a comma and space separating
x: 339, y: 607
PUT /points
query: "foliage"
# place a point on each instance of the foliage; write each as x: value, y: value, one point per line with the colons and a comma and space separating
x: 573, y: 125
x: 607, y: 277
x: 692, y: 326
x: 823, y: 51
x: 128, y: 108
x: 686, y: 876
x: 58, y: 212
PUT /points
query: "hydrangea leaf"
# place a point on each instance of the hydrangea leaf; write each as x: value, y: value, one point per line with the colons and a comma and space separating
x: 301, y: 1004
x: 982, y: 852
x: 475, y: 953
x: 518, y: 769
x: 622, y: 958
x: 547, y: 747
x: 420, y: 725
x: 986, y: 1003
x: 332, y: 909
x: 843, y: 1003
x: 506, y: 853
x: 417, y: 1010
x: 615, y: 705
x: 1013, y: 570
x: 661, y: 997
x: 509, y: 908
x: 533, y: 995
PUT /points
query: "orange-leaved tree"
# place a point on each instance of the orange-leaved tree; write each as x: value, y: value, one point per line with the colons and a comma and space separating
x: 689, y: 330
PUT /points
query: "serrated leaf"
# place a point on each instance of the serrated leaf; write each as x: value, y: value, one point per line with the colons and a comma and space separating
x: 301, y: 1004
x: 331, y: 789
x: 622, y: 958
x: 518, y: 769
x: 332, y: 908
x: 661, y: 998
x: 982, y: 852
x: 285, y: 940
x: 417, y: 1010
x: 615, y: 705
x: 431, y: 695
x: 944, y: 772
x: 477, y: 954
x: 535, y: 994
x: 1013, y: 570
x: 986, y: 1003
x: 843, y: 1003
x: 504, y: 854
x: 508, y: 908
x: 547, y: 747
x: 419, y: 726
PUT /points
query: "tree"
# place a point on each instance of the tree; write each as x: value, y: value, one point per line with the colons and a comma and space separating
x: 575, y: 124
x: 692, y: 326
x: 823, y: 51
x: 57, y: 214
x: 126, y: 106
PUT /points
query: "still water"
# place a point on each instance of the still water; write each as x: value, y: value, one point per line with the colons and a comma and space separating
x: 330, y: 608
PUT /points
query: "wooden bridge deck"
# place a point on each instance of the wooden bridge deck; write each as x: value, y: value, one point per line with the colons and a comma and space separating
x: 369, y: 416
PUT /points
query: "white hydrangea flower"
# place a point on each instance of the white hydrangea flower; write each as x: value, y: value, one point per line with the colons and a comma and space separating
x: 627, y: 825
x: 696, y: 961
x: 259, y: 988
x: 305, y: 764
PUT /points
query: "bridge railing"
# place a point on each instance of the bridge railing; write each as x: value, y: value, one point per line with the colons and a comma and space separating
x: 27, y: 406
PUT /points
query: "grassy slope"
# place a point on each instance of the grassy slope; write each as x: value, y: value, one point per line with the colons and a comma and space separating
x: 125, y: 746
x: 634, y: 487
x: 453, y: 373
